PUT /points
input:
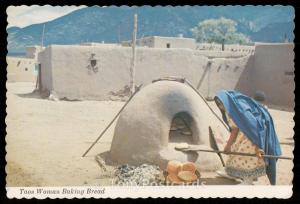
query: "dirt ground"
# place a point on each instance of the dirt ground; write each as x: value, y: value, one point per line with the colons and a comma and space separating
x: 46, y: 140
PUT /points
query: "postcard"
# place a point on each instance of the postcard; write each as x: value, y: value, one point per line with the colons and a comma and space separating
x: 118, y: 102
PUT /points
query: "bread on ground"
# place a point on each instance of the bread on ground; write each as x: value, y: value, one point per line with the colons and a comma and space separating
x: 187, y: 176
x: 189, y: 166
x: 173, y: 178
x: 174, y: 167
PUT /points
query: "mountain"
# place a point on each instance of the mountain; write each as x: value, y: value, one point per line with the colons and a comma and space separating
x: 109, y: 24
x: 282, y: 30
x: 13, y: 29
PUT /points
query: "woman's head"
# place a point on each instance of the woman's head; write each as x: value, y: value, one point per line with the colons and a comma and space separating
x: 222, y: 109
x: 260, y: 96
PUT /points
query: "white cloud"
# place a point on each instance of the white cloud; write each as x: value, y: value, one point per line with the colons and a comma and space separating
x: 22, y: 16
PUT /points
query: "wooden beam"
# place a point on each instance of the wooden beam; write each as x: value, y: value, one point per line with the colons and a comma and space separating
x: 133, y: 45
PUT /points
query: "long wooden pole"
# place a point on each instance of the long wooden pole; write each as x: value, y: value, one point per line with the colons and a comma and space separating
x: 42, y: 44
x: 234, y: 153
x: 214, y: 144
x: 111, y: 122
x: 132, y: 67
x: 215, y: 114
x: 119, y: 33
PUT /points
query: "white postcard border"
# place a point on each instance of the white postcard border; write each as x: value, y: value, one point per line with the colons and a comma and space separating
x: 201, y: 191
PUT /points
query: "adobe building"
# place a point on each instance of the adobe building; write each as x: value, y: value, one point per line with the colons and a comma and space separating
x: 271, y: 73
x: 102, y: 73
x: 21, y: 69
x: 164, y: 42
x: 32, y: 51
x: 98, y: 73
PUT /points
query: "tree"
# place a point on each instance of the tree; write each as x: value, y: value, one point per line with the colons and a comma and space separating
x: 220, y: 30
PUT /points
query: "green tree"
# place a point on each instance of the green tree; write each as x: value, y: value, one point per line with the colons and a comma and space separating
x: 220, y: 30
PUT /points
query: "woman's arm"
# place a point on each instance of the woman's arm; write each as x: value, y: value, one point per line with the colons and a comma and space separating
x: 233, y: 135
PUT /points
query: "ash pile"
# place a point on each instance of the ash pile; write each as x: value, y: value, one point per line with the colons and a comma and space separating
x: 143, y: 175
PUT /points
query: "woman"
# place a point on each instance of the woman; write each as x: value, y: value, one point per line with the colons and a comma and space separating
x: 251, y: 131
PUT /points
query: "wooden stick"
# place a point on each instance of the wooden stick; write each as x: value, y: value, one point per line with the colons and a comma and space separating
x: 233, y: 153
x: 42, y: 41
x: 132, y: 66
x: 215, y: 114
x: 214, y: 145
x: 111, y: 122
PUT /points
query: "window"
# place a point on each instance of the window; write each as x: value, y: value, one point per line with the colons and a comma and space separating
x: 93, y: 64
x: 289, y: 73
x: 236, y: 68
x: 168, y: 45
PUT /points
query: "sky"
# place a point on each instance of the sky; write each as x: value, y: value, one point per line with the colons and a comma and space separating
x: 22, y: 16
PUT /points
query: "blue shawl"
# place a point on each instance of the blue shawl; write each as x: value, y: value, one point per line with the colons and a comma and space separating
x: 256, y: 123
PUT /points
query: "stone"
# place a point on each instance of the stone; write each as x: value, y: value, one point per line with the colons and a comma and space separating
x: 142, y: 175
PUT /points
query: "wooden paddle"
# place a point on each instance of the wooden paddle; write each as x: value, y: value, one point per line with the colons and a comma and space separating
x: 195, y: 148
x: 214, y: 145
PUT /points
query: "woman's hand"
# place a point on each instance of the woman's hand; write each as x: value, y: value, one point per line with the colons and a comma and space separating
x: 259, y: 152
x: 227, y: 148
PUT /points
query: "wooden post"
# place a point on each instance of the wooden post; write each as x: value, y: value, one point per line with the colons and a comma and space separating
x: 42, y: 44
x: 132, y: 67
x: 119, y: 33
x: 223, y: 46
x: 208, y: 82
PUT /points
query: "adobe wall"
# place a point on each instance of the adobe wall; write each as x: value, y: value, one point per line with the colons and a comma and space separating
x: 161, y: 42
x: 146, y: 42
x: 246, y: 82
x: 228, y: 47
x: 20, y: 69
x: 45, y: 59
x: 68, y: 65
x: 222, y: 73
x: 271, y: 73
x: 32, y: 51
x: 65, y: 69
x: 274, y: 73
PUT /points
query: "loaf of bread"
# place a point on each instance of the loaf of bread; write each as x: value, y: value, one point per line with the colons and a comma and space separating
x: 187, y: 176
x: 174, y: 167
x: 189, y: 166
x: 173, y: 178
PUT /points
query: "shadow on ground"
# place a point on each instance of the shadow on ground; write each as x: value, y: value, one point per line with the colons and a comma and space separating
x: 43, y: 95
x: 290, y: 142
x: 218, y: 181
x: 34, y: 94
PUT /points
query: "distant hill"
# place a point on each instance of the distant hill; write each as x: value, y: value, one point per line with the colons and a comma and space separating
x: 13, y: 29
x: 282, y: 30
x: 109, y: 24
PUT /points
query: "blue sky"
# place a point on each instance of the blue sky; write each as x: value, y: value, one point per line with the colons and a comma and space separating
x: 22, y: 16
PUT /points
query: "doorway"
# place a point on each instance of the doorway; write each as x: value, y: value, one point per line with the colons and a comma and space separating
x: 181, y: 129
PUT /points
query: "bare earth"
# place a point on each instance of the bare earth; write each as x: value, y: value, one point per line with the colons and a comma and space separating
x: 46, y: 140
